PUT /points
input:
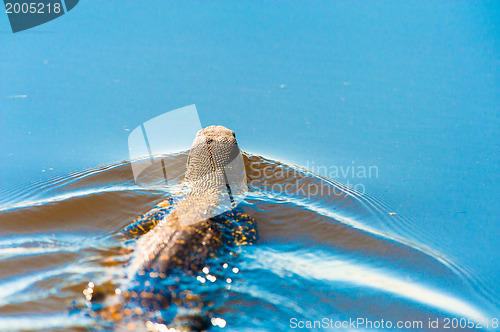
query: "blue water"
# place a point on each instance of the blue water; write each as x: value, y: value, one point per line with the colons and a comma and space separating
x: 410, y: 88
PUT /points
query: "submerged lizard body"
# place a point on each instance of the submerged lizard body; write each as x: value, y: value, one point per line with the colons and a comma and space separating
x: 166, y: 245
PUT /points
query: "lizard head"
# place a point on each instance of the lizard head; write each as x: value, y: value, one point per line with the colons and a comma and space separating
x: 214, y: 149
x: 215, y: 176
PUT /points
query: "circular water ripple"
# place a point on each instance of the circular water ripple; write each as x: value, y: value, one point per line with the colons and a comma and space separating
x: 324, y: 251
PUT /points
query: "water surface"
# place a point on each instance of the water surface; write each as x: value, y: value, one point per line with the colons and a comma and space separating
x: 324, y: 251
x: 409, y: 87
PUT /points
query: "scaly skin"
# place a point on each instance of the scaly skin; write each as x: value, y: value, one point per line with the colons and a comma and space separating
x: 165, y: 246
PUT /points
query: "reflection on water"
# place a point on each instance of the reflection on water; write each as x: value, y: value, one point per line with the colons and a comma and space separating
x: 324, y: 251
